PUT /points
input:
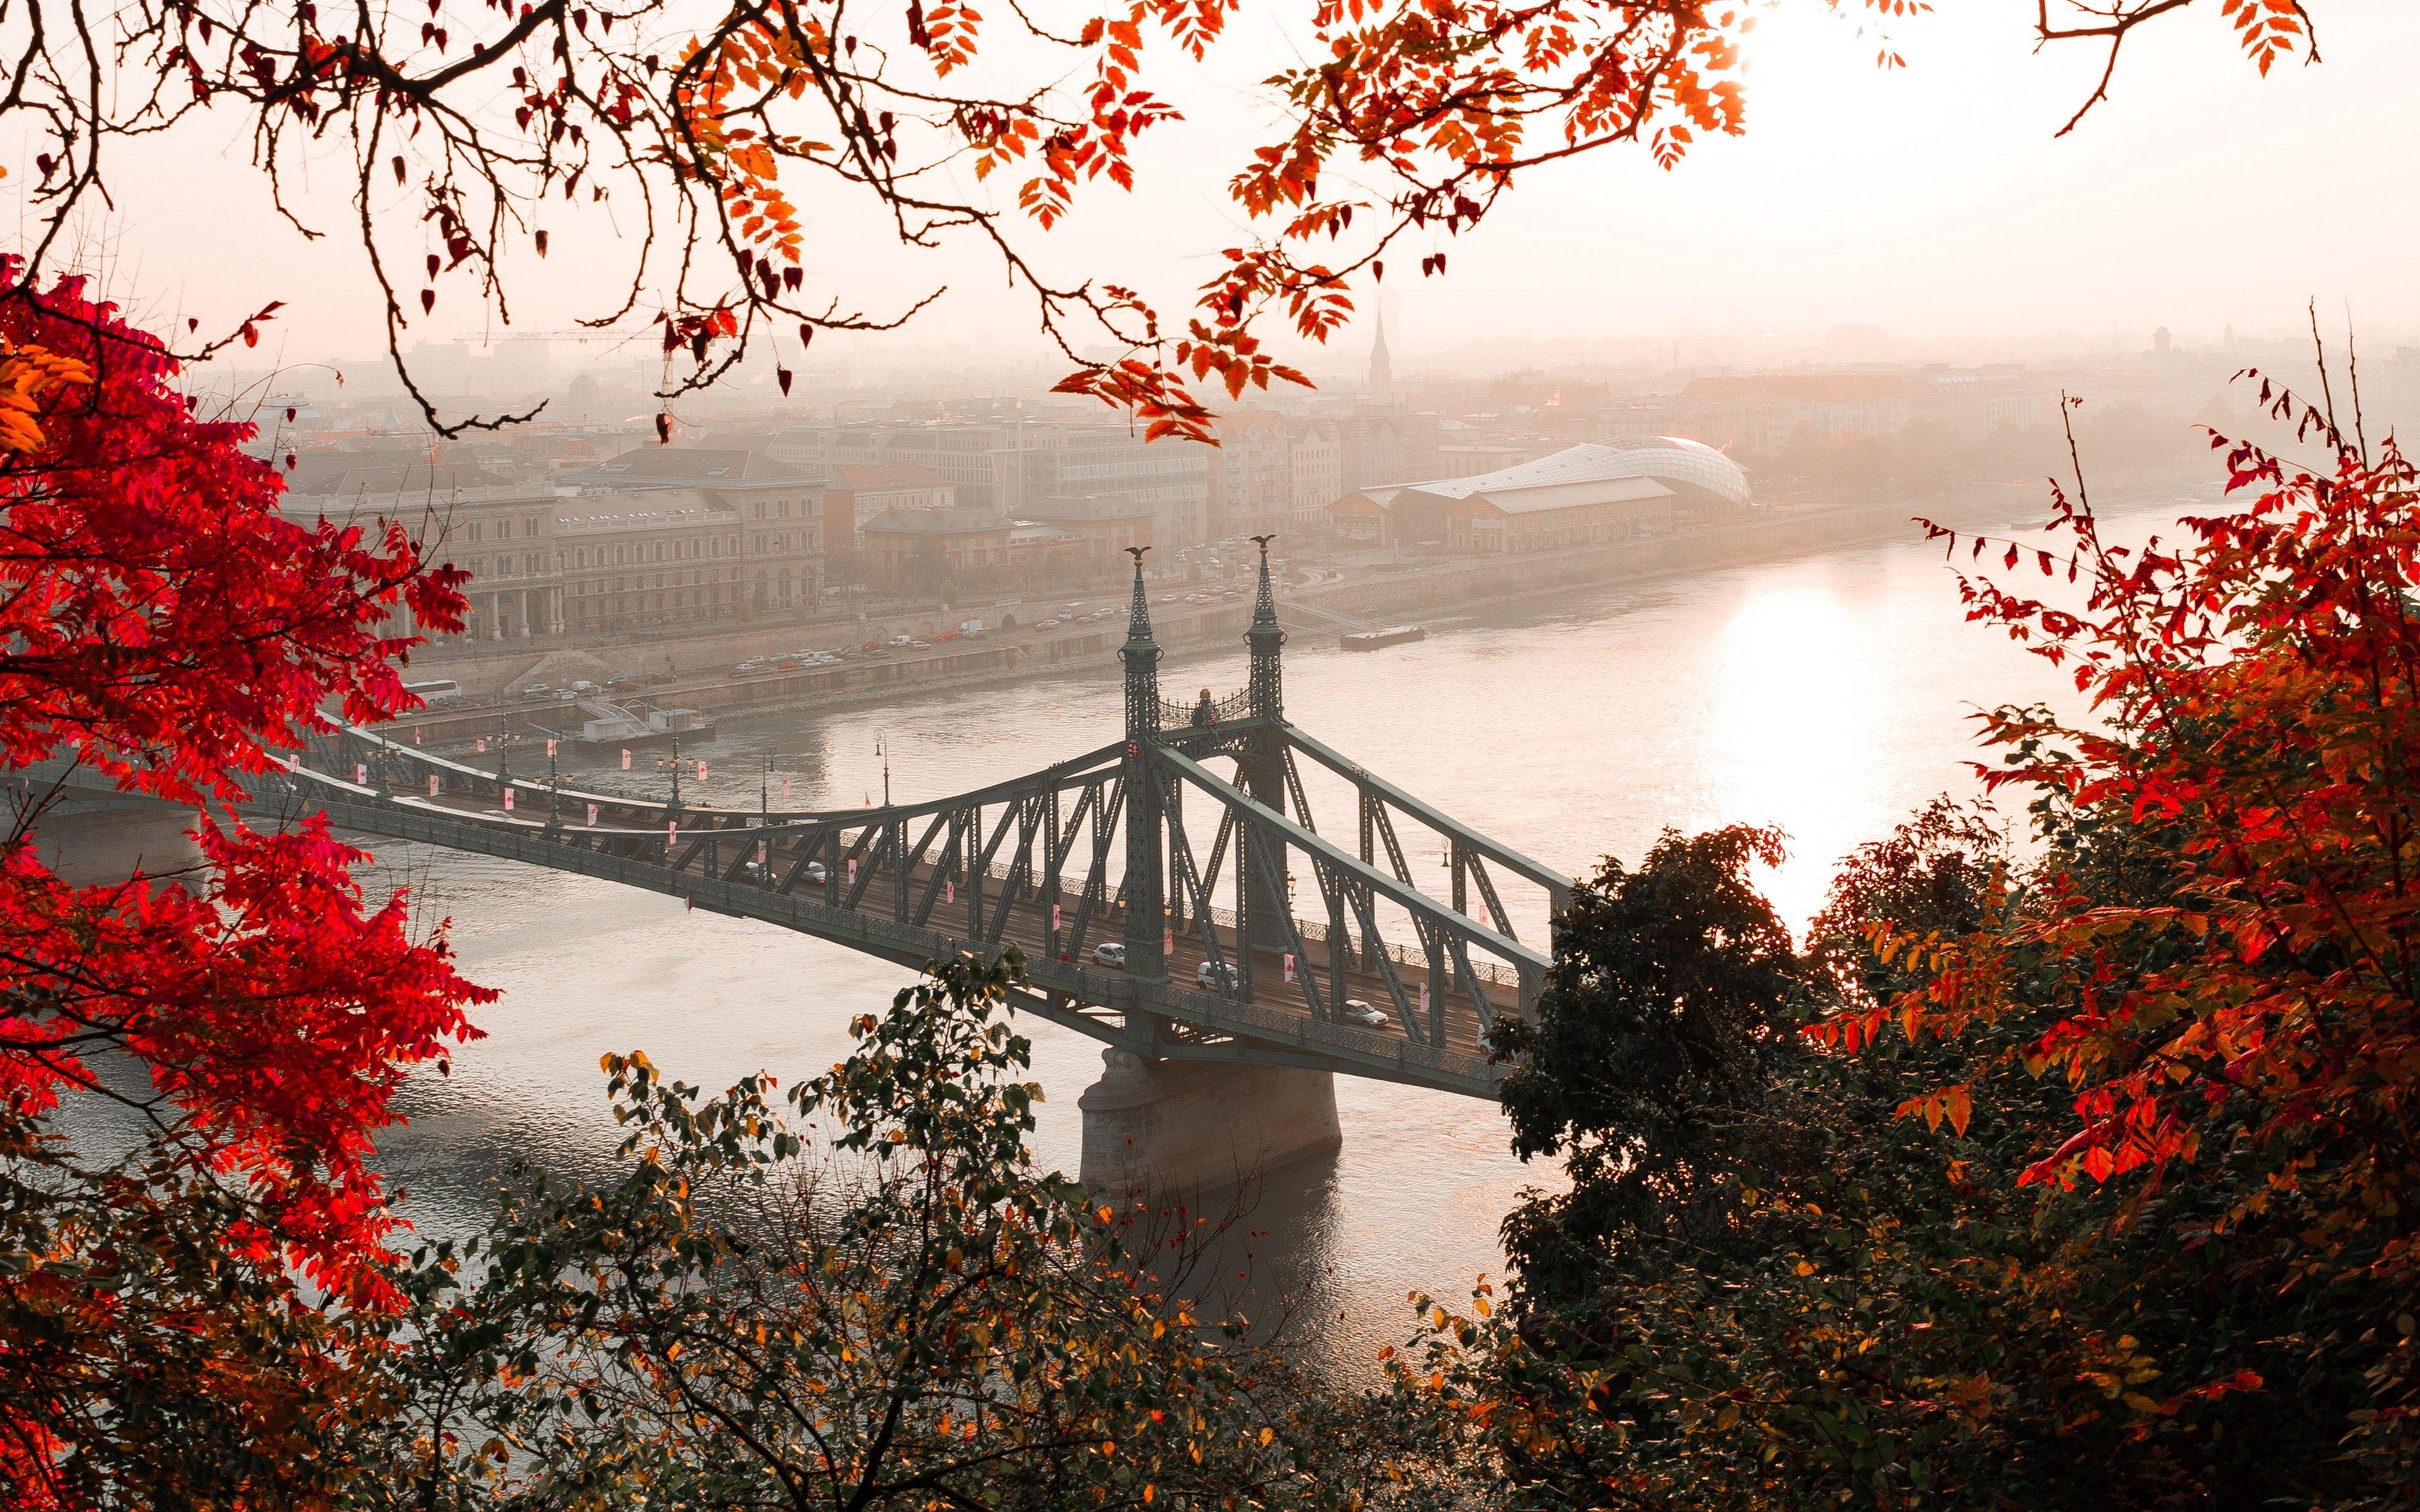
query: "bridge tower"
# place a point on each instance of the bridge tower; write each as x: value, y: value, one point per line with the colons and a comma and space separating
x: 1145, y: 885
x: 1151, y: 1122
x: 1261, y: 869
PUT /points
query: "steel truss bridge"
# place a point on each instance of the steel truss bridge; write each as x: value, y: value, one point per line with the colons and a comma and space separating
x: 1143, y: 843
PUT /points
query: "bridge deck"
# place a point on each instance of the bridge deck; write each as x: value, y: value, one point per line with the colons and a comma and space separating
x: 962, y: 915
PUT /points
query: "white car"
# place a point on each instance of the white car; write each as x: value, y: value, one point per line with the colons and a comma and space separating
x: 1215, y: 976
x: 817, y: 872
x: 1112, y: 954
x: 1357, y: 1012
x: 900, y: 641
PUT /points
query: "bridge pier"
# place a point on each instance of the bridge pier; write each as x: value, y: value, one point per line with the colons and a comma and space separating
x: 1199, y: 1125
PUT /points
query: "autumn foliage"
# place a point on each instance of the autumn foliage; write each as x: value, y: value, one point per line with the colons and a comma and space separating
x: 2075, y: 1174
x: 169, y: 631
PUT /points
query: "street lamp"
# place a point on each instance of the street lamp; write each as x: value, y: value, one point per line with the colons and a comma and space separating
x: 675, y: 763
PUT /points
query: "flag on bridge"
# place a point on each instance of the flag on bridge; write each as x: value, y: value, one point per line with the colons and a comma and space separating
x: 1167, y: 942
x: 549, y: 745
x: 360, y: 775
x: 1425, y: 999
x: 591, y: 816
x: 1054, y: 919
x: 852, y: 870
x: 948, y: 892
x: 508, y: 800
x: 700, y: 771
x: 432, y: 786
x: 785, y: 787
x: 1289, y: 966
x: 671, y: 832
x: 416, y: 735
x: 760, y: 853
x: 625, y: 758
x: 482, y: 745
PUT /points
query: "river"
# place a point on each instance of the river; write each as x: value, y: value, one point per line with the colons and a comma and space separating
x: 1828, y: 695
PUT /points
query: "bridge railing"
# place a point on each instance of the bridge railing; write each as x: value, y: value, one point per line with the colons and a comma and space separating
x: 1403, y: 955
x: 1235, y: 706
x: 1266, y: 1023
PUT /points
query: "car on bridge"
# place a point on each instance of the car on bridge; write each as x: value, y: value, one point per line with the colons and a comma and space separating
x: 1217, y: 977
x: 817, y: 872
x: 1357, y: 1012
x: 1110, y: 955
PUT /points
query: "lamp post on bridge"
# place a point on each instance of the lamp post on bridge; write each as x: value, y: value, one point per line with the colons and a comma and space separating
x: 673, y: 807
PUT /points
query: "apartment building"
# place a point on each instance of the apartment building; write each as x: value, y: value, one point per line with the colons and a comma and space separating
x: 780, y: 510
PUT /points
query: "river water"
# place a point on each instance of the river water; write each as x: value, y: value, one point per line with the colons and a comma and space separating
x: 1828, y: 695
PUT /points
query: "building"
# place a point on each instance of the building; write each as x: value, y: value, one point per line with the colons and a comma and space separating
x: 1170, y: 479
x: 780, y: 510
x: 499, y: 533
x: 1544, y: 517
x: 1006, y: 466
x: 1316, y: 460
x: 933, y: 546
x: 856, y: 493
x: 1251, y: 476
x: 1580, y: 496
x: 1091, y: 535
x: 650, y: 558
x: 1382, y: 367
x: 1765, y: 412
x: 1370, y: 442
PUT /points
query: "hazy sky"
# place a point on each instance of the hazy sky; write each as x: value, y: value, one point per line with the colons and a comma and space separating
x: 1933, y: 200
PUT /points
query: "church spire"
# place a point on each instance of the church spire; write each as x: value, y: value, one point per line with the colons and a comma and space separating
x: 1382, y: 370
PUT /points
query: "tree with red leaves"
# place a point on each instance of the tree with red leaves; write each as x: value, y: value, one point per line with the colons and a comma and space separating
x: 2076, y: 1177
x: 182, y: 1325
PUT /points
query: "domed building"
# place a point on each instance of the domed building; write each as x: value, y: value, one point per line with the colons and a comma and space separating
x: 1581, y: 496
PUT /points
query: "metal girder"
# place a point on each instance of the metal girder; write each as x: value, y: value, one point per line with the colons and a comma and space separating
x: 1293, y: 790
x: 808, y: 848
x: 943, y: 870
x: 1557, y: 885
x: 1487, y: 891
x: 1411, y: 900
x: 1273, y: 885
x: 860, y: 851
x: 1204, y: 922
x: 1387, y: 973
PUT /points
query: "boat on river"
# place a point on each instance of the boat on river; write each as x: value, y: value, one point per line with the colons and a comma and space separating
x: 1393, y: 635
x: 611, y: 724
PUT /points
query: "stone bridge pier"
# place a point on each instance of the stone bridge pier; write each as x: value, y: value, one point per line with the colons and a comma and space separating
x: 1199, y: 1125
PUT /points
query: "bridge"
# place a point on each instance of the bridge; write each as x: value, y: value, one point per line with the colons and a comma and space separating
x: 1222, y: 986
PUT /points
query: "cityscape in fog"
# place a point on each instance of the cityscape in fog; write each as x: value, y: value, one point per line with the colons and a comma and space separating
x: 749, y: 525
